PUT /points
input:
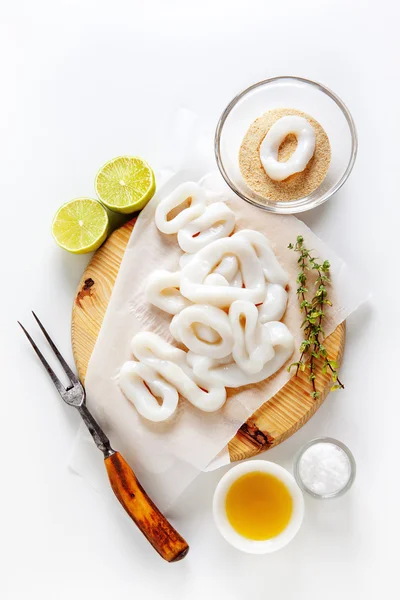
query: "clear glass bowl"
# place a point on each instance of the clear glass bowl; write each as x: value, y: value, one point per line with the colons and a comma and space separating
x: 349, y: 455
x: 286, y: 92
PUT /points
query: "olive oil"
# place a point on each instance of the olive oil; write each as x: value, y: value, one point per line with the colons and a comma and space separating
x: 258, y: 506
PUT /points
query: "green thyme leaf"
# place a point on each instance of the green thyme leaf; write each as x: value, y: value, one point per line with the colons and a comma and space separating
x: 311, y: 347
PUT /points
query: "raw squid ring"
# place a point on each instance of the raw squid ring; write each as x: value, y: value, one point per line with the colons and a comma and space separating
x: 214, y: 325
x: 229, y: 267
x: 305, y: 133
x: 183, y: 192
x: 226, y: 372
x: 198, y: 224
x: 274, y: 306
x: 252, y: 347
x: 194, y: 274
x: 170, y: 365
x: 163, y: 291
x: 136, y: 379
x: 273, y: 272
x: 217, y: 221
x: 226, y: 273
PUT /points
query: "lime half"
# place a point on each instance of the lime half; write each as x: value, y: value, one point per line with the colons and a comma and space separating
x: 80, y: 225
x: 125, y: 184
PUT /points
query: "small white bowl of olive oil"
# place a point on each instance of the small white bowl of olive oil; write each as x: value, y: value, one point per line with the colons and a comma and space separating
x: 258, y: 507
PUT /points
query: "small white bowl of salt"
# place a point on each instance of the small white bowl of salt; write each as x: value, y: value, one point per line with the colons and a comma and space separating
x: 325, y: 468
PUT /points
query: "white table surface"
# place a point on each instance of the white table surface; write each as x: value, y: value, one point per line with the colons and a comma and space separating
x: 83, y: 81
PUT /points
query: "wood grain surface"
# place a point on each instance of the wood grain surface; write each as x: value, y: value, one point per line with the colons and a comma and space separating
x: 158, y: 530
x: 270, y: 425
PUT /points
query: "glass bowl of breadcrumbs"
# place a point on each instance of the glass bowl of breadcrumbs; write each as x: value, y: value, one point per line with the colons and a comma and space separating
x: 246, y: 121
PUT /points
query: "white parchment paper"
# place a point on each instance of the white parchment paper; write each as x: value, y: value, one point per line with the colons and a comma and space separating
x: 167, y: 456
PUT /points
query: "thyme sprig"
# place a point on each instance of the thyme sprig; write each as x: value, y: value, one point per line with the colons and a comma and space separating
x: 311, y: 348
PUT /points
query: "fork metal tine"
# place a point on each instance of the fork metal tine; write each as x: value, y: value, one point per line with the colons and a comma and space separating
x: 72, y: 377
x: 56, y: 381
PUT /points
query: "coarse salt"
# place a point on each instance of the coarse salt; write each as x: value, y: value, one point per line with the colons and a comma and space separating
x: 324, y: 468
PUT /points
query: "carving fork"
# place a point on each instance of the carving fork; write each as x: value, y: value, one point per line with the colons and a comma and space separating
x: 159, y: 532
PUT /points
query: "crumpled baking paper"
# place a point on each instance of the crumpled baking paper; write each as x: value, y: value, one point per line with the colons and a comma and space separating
x: 167, y: 456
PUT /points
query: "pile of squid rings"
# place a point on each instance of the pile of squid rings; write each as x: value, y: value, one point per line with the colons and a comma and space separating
x: 226, y: 302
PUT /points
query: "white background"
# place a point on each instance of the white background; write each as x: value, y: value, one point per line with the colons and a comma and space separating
x: 83, y: 81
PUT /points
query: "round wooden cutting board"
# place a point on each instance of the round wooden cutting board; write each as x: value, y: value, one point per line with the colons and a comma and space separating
x: 274, y: 422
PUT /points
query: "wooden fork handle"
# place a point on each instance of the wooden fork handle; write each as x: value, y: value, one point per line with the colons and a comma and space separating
x: 157, y: 529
